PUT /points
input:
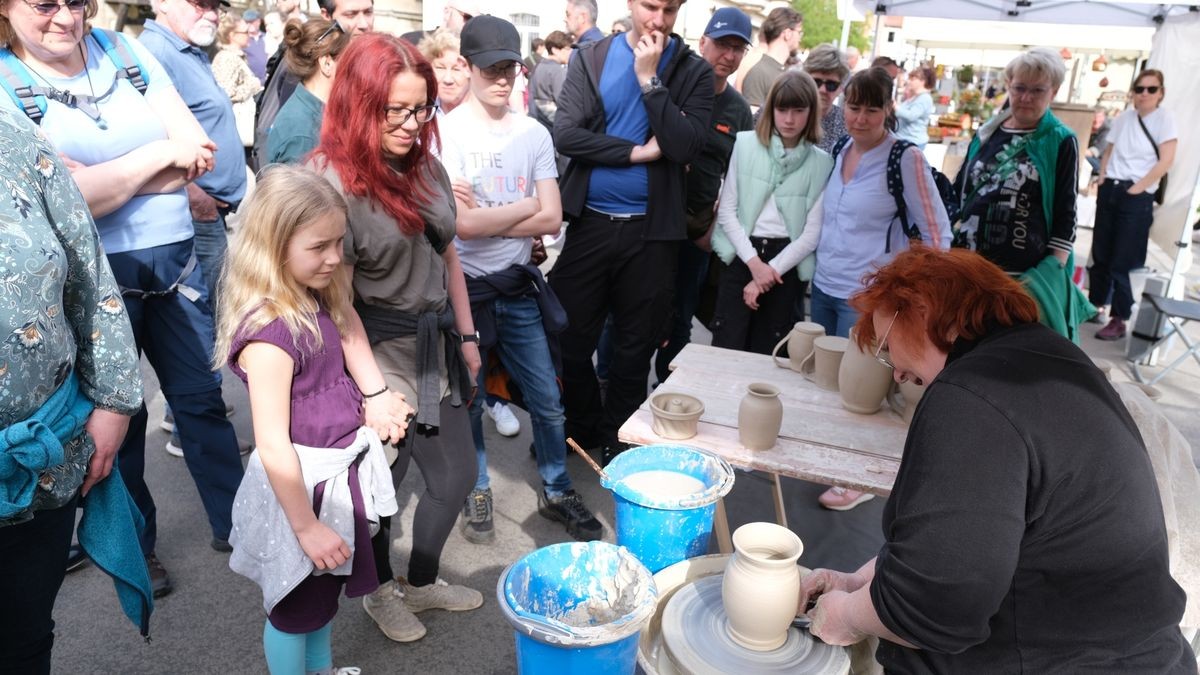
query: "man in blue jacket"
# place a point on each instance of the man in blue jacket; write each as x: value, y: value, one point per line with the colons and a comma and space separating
x: 632, y: 114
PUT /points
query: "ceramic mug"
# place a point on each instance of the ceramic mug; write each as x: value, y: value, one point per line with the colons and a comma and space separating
x: 862, y: 380
x: 822, y: 365
x: 800, y: 344
x: 904, y: 397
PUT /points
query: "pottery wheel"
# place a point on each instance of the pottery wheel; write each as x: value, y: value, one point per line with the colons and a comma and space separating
x: 695, y: 636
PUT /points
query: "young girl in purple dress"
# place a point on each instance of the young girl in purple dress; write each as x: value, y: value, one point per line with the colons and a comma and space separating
x: 318, y: 481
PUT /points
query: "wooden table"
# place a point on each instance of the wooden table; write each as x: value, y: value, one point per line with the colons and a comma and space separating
x: 820, y: 441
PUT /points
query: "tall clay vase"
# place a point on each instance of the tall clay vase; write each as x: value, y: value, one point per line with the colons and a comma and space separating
x: 761, y: 584
x: 760, y: 416
x: 862, y: 380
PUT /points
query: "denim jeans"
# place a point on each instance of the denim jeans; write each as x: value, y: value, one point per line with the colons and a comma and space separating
x: 176, y: 335
x: 522, y: 347
x: 211, y: 240
x: 835, y: 314
x: 1119, y: 242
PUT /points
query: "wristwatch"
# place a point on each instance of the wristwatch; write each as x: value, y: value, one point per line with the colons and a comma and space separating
x: 650, y: 86
x: 473, y: 337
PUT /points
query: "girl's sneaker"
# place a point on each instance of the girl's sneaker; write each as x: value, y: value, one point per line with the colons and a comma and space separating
x: 440, y: 595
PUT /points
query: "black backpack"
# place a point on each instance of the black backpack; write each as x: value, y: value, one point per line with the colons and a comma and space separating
x: 895, y: 186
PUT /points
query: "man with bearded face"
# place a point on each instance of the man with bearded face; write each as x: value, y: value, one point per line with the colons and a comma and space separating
x: 177, y: 37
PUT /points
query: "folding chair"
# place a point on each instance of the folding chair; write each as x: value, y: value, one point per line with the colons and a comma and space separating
x: 1177, y: 314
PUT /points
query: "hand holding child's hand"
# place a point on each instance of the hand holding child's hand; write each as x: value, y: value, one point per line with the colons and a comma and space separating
x: 388, y: 414
x: 323, y: 546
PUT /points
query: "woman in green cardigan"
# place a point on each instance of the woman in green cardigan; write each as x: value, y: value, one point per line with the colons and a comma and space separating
x: 769, y: 218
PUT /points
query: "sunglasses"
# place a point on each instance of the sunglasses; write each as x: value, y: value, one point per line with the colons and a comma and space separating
x: 830, y: 85
x: 333, y: 27
x: 52, y: 8
x: 1145, y: 90
x: 205, y: 6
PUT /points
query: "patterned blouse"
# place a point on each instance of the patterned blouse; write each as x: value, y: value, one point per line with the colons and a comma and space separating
x: 233, y: 74
x: 59, y: 303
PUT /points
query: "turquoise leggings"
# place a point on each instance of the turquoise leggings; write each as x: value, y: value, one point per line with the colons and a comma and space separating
x: 298, y: 653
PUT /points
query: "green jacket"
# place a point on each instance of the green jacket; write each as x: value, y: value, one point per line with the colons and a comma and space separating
x: 794, y: 180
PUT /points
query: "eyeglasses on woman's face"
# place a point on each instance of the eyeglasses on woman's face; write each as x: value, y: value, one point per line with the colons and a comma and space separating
x: 880, y: 355
x: 397, y: 115
x: 52, y: 8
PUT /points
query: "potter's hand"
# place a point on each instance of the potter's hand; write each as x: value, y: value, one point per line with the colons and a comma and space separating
x: 821, y: 581
x: 832, y: 620
x: 764, y: 275
x: 750, y: 295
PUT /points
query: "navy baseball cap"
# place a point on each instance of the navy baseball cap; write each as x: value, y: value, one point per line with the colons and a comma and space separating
x: 728, y: 21
x: 488, y: 40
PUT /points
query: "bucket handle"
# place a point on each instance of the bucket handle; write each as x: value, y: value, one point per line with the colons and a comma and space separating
x: 721, y: 489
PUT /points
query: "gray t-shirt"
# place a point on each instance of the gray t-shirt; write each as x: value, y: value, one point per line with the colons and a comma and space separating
x: 759, y: 80
x: 503, y: 167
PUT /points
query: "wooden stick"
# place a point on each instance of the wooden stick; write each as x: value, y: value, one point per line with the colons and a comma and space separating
x: 587, y: 458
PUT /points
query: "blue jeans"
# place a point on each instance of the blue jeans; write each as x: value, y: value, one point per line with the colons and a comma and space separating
x: 835, y: 314
x: 176, y: 334
x: 522, y: 347
x: 211, y: 241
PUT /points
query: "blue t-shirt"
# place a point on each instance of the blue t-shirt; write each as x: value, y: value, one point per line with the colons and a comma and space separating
x: 126, y: 123
x: 189, y: 68
x: 622, y: 190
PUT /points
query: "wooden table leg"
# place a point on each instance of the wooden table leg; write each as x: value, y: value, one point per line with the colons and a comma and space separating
x: 780, y: 513
x: 721, y: 529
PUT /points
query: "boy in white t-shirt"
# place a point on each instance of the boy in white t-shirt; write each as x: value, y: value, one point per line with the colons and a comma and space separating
x: 506, y: 188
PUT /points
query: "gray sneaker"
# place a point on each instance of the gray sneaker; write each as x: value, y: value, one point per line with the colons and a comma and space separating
x: 388, y: 608
x: 476, y: 523
x: 440, y: 595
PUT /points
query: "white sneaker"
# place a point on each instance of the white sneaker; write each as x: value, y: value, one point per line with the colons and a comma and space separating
x: 173, y: 448
x: 506, y: 422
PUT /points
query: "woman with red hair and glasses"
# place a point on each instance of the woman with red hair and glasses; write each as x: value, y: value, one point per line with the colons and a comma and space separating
x: 1024, y: 532
x: 411, y: 296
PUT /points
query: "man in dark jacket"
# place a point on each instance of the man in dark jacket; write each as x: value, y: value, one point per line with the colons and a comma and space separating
x: 632, y: 114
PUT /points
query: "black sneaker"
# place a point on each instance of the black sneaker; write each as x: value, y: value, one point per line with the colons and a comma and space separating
x: 160, y: 583
x: 76, y: 558
x: 568, y: 509
x: 220, y: 545
x: 477, y: 517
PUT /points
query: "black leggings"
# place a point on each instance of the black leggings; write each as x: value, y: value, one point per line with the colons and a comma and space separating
x: 448, y: 465
x: 736, y: 326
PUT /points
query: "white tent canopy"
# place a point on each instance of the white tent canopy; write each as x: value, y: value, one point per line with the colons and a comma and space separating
x: 1092, y: 12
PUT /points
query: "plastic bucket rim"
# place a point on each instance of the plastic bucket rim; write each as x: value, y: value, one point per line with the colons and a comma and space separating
x: 553, y: 632
x: 710, y: 494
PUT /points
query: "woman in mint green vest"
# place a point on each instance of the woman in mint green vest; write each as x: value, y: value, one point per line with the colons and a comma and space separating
x: 769, y: 218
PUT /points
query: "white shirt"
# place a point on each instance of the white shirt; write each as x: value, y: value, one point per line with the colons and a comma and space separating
x: 1132, y: 154
x: 770, y: 225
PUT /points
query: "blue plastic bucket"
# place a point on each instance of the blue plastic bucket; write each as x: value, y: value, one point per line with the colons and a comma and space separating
x: 577, y: 608
x: 655, y: 521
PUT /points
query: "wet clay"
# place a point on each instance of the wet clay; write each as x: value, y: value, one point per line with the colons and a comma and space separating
x: 663, y: 483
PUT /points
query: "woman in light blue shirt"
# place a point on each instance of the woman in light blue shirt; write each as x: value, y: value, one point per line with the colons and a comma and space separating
x: 912, y: 115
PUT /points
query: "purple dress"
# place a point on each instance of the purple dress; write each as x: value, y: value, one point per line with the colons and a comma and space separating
x: 326, y: 412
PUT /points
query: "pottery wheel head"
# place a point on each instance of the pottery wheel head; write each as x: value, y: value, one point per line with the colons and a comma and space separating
x: 695, y: 633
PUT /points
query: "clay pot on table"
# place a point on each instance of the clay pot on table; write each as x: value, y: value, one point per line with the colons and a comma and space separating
x: 760, y: 416
x: 904, y: 397
x: 822, y: 365
x: 761, y: 584
x: 862, y: 379
x: 675, y: 415
x: 799, y: 343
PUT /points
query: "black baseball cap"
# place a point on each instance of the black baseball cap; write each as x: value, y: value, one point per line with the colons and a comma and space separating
x: 488, y: 40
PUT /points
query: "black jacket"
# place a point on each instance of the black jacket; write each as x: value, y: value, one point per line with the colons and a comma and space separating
x: 679, y: 115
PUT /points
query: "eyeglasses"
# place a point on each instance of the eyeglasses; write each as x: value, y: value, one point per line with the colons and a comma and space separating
x: 1145, y: 90
x: 52, y: 8
x: 879, y: 355
x: 735, y: 46
x: 1023, y: 91
x: 333, y: 27
x: 830, y: 85
x: 398, y: 115
x: 498, y: 71
x: 204, y: 6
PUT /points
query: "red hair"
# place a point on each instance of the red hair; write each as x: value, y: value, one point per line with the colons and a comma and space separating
x: 351, y: 136
x: 959, y: 293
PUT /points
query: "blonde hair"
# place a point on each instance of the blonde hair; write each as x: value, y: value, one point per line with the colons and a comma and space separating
x: 255, y: 285
x: 435, y: 45
x: 229, y: 23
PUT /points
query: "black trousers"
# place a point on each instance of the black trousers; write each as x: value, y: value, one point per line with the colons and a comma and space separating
x: 736, y: 326
x: 33, y: 561
x: 1119, y: 242
x: 608, y: 266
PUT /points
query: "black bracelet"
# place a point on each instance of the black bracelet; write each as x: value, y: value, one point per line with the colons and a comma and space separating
x: 366, y: 396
